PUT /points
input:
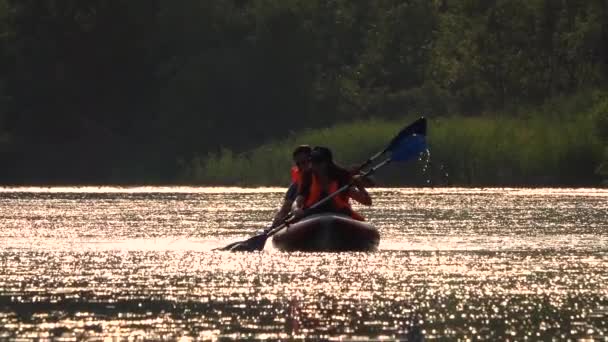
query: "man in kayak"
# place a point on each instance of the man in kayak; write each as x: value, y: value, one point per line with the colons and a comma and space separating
x: 301, y: 160
x: 323, y: 179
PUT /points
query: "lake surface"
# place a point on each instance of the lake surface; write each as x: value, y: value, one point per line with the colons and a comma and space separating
x: 96, y: 263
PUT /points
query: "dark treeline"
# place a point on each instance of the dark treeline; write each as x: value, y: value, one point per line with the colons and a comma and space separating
x: 97, y: 91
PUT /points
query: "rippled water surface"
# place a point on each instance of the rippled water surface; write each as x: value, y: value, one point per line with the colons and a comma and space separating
x: 79, y: 263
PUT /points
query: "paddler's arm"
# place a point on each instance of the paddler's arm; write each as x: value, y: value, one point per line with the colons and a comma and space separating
x: 298, y: 206
x: 282, y: 213
x: 303, y: 191
x: 288, y: 200
x: 358, y: 192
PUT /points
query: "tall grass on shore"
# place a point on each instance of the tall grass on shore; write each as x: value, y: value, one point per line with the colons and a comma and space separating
x: 503, y: 151
x: 547, y: 147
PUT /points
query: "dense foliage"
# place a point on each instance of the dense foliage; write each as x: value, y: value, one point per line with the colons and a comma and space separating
x: 129, y: 90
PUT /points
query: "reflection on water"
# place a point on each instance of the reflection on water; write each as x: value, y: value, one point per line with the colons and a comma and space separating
x: 453, y: 263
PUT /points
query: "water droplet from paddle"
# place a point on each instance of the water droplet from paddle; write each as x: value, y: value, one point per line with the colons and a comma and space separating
x: 425, y: 158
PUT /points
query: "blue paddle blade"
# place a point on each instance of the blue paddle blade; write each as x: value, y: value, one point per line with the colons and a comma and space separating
x: 408, y: 147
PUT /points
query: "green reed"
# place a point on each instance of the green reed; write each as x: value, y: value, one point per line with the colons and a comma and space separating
x: 548, y: 145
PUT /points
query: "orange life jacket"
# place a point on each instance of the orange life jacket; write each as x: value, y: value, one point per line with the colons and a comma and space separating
x: 295, y: 175
x: 340, y: 201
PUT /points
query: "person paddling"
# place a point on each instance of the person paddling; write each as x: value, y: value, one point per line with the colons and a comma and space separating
x: 301, y: 160
x: 323, y: 179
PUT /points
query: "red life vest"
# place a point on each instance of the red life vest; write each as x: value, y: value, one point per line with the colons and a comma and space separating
x: 295, y: 175
x: 339, y: 201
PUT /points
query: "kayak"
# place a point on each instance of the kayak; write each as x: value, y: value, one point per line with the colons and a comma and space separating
x: 327, y: 232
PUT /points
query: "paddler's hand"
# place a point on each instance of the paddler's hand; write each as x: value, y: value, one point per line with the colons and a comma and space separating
x: 298, y: 213
x: 358, y: 180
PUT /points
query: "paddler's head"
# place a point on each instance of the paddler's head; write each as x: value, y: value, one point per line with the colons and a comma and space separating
x: 321, y: 159
x: 301, y: 157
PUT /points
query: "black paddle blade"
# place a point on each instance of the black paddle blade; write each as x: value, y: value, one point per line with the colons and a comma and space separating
x: 418, y: 127
x: 226, y: 248
x: 252, y: 244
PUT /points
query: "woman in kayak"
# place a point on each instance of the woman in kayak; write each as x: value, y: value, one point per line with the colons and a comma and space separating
x: 323, y: 179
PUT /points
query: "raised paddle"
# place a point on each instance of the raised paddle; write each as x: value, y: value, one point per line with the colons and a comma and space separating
x: 409, y: 143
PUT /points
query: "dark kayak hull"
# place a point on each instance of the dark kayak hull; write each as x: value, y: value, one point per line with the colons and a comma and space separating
x: 327, y: 233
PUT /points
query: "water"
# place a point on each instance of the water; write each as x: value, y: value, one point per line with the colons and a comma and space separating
x: 95, y: 263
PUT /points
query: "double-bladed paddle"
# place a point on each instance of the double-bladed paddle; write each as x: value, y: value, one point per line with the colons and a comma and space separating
x: 409, y: 143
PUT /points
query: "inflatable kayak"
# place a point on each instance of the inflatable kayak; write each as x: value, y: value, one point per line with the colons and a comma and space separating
x: 327, y: 233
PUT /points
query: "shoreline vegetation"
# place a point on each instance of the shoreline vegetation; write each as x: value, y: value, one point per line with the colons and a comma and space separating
x: 560, y: 143
x: 218, y: 92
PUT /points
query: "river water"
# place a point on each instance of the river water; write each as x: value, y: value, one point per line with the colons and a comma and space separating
x: 493, y: 264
